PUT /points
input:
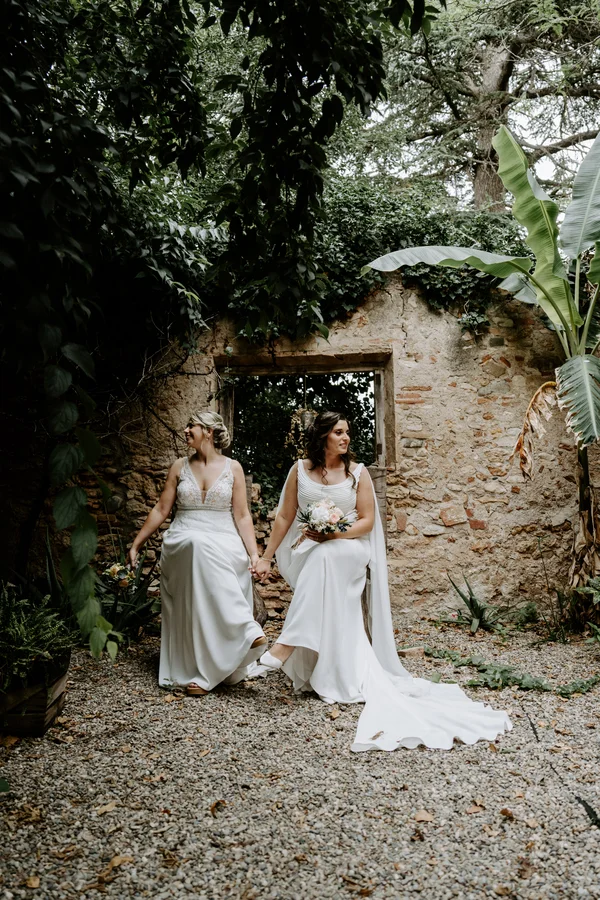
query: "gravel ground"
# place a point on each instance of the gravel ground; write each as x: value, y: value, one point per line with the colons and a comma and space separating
x: 253, y: 793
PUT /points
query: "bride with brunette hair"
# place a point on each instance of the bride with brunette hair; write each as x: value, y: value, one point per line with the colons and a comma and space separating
x: 324, y: 645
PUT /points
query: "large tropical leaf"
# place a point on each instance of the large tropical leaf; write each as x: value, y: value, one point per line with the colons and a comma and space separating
x: 520, y: 286
x: 594, y: 270
x: 454, y: 257
x: 578, y: 382
x: 533, y: 209
x: 581, y: 226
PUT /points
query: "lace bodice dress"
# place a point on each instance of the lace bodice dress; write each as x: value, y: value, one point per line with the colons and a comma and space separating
x: 206, y: 589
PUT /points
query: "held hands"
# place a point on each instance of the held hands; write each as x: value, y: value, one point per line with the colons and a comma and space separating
x: 261, y: 569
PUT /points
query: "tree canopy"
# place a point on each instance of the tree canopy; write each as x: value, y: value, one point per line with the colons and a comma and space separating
x: 531, y: 64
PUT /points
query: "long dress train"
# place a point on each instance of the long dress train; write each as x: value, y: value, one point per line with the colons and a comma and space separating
x: 333, y: 655
x: 206, y: 588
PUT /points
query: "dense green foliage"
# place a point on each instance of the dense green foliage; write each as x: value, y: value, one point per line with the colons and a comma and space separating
x: 32, y: 634
x: 264, y: 406
x: 100, y: 103
x: 366, y: 218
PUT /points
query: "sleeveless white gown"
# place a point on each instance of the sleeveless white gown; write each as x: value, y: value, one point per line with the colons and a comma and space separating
x: 205, y: 588
x: 333, y: 655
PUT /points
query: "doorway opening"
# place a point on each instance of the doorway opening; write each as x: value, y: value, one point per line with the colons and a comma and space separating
x: 270, y: 413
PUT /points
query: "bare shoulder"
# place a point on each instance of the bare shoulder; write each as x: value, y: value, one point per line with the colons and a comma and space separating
x: 236, y: 468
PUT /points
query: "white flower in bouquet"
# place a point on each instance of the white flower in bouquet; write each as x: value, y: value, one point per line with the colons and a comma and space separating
x: 325, y: 517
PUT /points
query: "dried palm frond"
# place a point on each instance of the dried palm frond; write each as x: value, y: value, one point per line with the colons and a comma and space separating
x: 540, y: 408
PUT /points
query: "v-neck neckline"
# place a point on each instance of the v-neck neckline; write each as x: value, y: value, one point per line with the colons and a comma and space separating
x: 195, y: 480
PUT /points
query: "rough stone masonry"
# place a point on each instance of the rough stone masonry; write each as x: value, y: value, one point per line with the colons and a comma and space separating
x: 453, y: 406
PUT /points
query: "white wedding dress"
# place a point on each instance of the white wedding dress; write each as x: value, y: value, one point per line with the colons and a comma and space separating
x: 205, y: 589
x: 333, y: 655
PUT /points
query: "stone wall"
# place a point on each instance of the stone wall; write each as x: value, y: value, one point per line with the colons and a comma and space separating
x: 451, y: 407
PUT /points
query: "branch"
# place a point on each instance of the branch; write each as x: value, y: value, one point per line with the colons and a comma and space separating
x: 557, y: 146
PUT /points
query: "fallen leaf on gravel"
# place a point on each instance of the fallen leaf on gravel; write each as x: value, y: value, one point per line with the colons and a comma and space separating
x: 9, y: 740
x: 154, y: 756
x: 108, y: 808
x: 216, y: 806
x: 152, y: 779
x: 519, y: 794
x: 301, y: 857
x: 204, y: 752
x: 417, y: 835
x: 532, y: 823
x: 335, y: 713
x: 171, y: 860
x: 473, y: 810
x: 503, y: 890
x: 126, y: 748
x: 170, y: 697
x: 525, y: 869
x: 286, y: 700
x: 113, y: 864
x: 423, y: 816
x: 69, y: 852
x: 63, y: 739
x: 590, y: 724
x: 33, y: 881
x: 493, y: 748
x: 507, y: 813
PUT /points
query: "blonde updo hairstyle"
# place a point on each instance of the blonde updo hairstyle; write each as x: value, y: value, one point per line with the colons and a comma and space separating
x: 212, y: 421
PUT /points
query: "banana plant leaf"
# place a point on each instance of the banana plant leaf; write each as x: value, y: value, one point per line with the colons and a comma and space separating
x: 521, y: 287
x: 454, y: 257
x: 594, y: 270
x: 581, y: 226
x: 533, y: 209
x: 578, y: 392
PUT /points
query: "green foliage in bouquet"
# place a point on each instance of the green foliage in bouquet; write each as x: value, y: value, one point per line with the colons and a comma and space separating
x: 125, y: 604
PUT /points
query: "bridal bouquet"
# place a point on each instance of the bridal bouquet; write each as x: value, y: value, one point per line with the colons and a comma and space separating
x: 325, y: 517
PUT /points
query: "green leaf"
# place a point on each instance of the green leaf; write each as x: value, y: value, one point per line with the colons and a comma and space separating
x: 581, y: 225
x: 84, y: 540
x: 97, y: 641
x: 86, y: 401
x: 578, y: 392
x: 80, y: 356
x: 68, y: 505
x: 56, y: 381
x: 4, y: 786
x: 594, y: 270
x: 88, y: 614
x: 63, y: 416
x: 104, y: 624
x: 81, y: 588
x: 64, y: 461
x: 520, y: 286
x: 49, y: 337
x: 112, y: 649
x: 533, y: 209
x: 454, y: 257
x: 89, y: 444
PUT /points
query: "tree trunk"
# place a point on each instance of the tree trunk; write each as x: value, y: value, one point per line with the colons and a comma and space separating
x: 497, y: 67
x: 586, y: 559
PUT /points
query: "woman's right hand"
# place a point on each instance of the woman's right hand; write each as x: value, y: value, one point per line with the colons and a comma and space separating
x: 132, y: 557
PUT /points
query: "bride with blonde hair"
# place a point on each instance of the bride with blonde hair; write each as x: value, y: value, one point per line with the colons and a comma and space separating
x: 208, y: 632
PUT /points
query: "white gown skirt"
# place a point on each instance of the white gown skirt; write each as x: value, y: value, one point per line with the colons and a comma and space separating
x: 206, y: 600
x: 334, y: 657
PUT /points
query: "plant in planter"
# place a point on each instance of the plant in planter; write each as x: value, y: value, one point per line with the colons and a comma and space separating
x: 35, y: 650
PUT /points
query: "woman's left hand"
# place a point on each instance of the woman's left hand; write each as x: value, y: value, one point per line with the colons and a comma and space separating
x: 319, y: 537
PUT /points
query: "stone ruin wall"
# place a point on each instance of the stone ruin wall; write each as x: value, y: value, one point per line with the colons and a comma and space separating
x: 453, y: 409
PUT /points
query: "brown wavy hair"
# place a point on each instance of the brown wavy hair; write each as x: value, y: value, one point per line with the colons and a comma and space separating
x: 316, y: 438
